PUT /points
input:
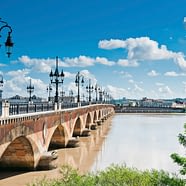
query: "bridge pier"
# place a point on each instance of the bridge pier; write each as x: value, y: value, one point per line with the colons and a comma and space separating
x: 26, y: 138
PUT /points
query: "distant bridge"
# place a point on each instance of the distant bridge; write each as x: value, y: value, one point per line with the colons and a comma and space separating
x: 25, y: 139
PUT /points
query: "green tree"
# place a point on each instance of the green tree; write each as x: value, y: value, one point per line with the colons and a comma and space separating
x: 180, y: 160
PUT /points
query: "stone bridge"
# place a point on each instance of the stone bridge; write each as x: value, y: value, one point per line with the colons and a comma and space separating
x: 26, y: 140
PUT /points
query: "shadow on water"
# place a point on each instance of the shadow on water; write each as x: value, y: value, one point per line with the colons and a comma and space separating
x: 9, y: 173
x: 81, y: 158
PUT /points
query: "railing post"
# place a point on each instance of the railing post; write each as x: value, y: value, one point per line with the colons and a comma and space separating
x: 5, y: 108
x: 56, y: 106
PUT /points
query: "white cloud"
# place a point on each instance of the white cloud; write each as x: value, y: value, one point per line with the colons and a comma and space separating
x: 16, y: 73
x: 41, y: 65
x: 81, y: 61
x: 171, y: 74
x: 84, y: 61
x: 143, y: 49
x: 131, y: 81
x: 117, y: 92
x: 104, y: 61
x: 137, y: 88
x: 111, y: 44
x: 159, y: 84
x: 174, y: 74
x: 123, y: 74
x: 19, y: 82
x: 165, y: 90
x: 152, y: 73
x: 45, y: 65
x: 127, y: 63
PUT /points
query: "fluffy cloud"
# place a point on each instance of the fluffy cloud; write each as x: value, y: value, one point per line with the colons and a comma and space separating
x: 143, y: 49
x: 123, y: 74
x: 174, y: 74
x: 19, y: 81
x: 104, y: 61
x: 164, y: 90
x: 116, y: 92
x: 111, y: 44
x: 81, y: 61
x: 41, y: 65
x: 45, y: 65
x: 152, y: 73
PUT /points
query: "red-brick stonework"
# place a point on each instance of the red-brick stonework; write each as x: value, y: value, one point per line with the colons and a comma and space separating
x: 25, y: 139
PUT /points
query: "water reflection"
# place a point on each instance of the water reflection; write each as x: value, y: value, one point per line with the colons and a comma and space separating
x: 84, y: 156
x: 142, y: 141
x: 80, y: 158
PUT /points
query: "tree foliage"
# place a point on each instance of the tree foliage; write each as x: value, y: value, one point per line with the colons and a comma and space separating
x: 180, y: 160
x: 114, y: 175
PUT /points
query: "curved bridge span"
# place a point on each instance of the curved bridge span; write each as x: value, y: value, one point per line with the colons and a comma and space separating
x: 25, y: 139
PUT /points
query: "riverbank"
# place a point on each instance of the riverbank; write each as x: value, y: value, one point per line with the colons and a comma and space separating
x: 80, y: 158
x: 122, y: 109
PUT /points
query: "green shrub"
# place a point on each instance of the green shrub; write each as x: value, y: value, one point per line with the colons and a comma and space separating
x: 114, y: 175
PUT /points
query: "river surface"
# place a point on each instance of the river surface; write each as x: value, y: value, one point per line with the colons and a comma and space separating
x: 144, y: 141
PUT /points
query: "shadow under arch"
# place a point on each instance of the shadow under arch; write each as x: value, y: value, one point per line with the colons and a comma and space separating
x: 95, y: 117
x: 88, y: 121
x: 77, y: 128
x: 99, y: 115
x: 59, y: 138
x: 19, y: 155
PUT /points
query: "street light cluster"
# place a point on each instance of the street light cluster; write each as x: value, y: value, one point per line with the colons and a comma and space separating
x: 58, y: 78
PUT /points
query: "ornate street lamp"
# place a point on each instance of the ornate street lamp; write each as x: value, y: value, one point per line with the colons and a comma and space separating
x: 101, y: 94
x: 89, y: 89
x: 62, y: 94
x: 97, y: 89
x: 1, y: 85
x: 30, y: 90
x: 71, y: 95
x: 79, y: 79
x: 49, y: 90
x: 56, y: 78
x: 8, y: 44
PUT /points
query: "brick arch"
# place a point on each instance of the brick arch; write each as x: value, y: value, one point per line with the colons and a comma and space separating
x: 59, y: 139
x: 88, y: 121
x: 19, y: 154
x: 99, y: 114
x: 95, y: 117
x: 14, y: 133
x: 77, y: 130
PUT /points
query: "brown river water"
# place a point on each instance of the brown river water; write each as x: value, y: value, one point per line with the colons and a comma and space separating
x: 80, y: 158
x: 144, y: 141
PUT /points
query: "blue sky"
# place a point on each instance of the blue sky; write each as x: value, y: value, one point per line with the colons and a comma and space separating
x: 131, y: 49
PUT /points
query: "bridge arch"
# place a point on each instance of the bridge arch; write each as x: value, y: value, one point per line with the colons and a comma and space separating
x: 59, y: 138
x: 88, y: 121
x: 77, y: 127
x: 19, y: 154
x: 95, y: 117
x: 99, y: 115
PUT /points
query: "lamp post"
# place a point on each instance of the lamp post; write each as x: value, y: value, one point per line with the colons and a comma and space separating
x: 30, y: 90
x: 8, y: 44
x: 49, y: 90
x: 62, y: 95
x: 101, y: 94
x: 1, y: 85
x: 56, y: 78
x: 96, y: 90
x: 71, y: 95
x: 79, y: 79
x: 89, y: 89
